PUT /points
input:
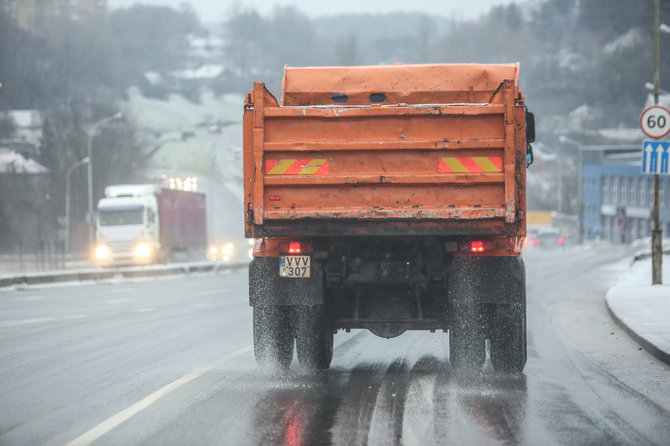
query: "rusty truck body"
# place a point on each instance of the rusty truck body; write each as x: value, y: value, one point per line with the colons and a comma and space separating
x: 388, y: 198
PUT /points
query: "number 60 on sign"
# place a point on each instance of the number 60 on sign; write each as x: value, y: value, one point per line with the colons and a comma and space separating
x: 655, y: 121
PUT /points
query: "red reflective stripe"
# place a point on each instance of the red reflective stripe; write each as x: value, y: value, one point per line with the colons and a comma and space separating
x: 470, y: 164
x: 497, y: 161
x: 323, y: 170
x: 442, y: 167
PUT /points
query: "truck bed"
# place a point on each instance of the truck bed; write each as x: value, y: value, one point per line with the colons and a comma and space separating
x: 343, y: 155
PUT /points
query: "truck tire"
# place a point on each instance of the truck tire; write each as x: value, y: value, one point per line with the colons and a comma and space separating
x: 273, y: 336
x: 508, y: 338
x: 467, y: 347
x: 314, y: 337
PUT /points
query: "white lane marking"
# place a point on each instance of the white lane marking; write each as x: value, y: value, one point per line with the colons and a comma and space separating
x: 145, y: 310
x: 101, y: 429
x: 208, y: 292
x: 26, y: 321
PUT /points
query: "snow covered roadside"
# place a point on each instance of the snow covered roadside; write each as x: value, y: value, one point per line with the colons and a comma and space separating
x: 105, y: 274
x: 642, y: 309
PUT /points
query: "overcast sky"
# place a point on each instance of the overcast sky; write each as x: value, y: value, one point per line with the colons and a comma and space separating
x: 213, y: 10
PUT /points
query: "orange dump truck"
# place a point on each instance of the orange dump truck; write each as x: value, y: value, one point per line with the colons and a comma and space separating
x: 388, y: 198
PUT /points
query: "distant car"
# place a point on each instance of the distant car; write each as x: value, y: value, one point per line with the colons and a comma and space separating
x: 549, y: 238
x: 544, y: 238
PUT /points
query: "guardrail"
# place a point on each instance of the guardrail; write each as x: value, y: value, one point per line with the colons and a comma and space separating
x: 96, y: 274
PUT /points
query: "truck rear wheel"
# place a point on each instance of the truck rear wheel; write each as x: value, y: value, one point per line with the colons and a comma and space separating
x: 467, y: 348
x: 508, y: 338
x: 273, y: 336
x: 314, y: 337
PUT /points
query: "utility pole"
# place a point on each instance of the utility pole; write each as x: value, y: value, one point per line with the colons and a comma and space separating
x: 657, y: 232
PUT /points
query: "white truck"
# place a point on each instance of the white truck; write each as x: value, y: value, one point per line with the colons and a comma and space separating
x: 147, y: 223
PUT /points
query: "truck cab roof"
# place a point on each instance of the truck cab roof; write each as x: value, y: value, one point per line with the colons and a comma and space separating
x: 131, y: 190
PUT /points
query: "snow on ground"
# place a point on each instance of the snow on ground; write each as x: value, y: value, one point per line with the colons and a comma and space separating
x: 179, y: 113
x: 13, y: 162
x: 644, y: 308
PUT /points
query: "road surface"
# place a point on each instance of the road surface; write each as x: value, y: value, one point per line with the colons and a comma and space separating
x: 169, y: 362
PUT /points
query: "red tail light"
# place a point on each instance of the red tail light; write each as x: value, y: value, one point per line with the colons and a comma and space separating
x: 477, y: 247
x: 561, y: 240
x: 536, y: 241
x: 275, y: 197
x: 294, y: 248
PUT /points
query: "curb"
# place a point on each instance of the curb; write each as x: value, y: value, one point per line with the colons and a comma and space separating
x: 648, y: 346
x: 645, y: 255
x: 128, y: 272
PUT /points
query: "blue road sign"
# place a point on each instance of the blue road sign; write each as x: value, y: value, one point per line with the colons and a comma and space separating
x: 655, y: 157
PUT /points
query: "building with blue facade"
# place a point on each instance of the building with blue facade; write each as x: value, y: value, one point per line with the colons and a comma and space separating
x: 618, y: 202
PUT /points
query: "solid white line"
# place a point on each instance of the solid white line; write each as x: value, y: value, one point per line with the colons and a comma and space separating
x: 114, y: 421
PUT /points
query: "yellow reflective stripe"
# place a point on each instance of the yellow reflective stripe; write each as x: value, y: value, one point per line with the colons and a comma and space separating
x: 281, y: 166
x: 454, y: 164
x: 313, y: 166
x: 486, y: 164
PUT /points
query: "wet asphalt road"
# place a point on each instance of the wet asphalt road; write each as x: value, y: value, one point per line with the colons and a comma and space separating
x: 169, y: 362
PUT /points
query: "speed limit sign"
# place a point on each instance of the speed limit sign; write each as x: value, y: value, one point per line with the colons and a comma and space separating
x: 655, y: 121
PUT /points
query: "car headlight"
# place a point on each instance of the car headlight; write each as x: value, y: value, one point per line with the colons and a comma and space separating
x: 143, y: 249
x: 101, y: 252
x: 213, y: 250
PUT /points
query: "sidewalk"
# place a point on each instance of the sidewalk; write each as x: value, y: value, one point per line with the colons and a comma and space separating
x: 642, y: 309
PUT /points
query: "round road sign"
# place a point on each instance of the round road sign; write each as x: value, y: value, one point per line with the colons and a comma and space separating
x: 655, y: 121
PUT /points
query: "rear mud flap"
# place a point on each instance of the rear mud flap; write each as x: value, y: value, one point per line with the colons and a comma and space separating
x: 267, y: 288
x: 489, y: 280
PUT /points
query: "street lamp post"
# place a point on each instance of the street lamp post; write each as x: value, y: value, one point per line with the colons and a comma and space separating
x: 67, y: 201
x: 91, y: 134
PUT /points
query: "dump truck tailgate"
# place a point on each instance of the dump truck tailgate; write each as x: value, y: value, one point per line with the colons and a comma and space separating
x: 385, y: 168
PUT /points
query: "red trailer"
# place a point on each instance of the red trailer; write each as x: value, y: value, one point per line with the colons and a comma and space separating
x: 145, y: 223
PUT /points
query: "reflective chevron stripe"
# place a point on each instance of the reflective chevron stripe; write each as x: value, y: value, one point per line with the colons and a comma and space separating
x: 297, y: 167
x: 466, y: 164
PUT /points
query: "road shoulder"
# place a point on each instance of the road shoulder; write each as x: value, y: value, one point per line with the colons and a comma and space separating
x: 642, y: 309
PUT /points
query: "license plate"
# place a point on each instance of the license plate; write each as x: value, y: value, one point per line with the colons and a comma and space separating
x: 294, y: 267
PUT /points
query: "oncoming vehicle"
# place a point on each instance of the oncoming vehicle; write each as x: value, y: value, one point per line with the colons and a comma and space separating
x: 146, y: 223
x: 222, y: 252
